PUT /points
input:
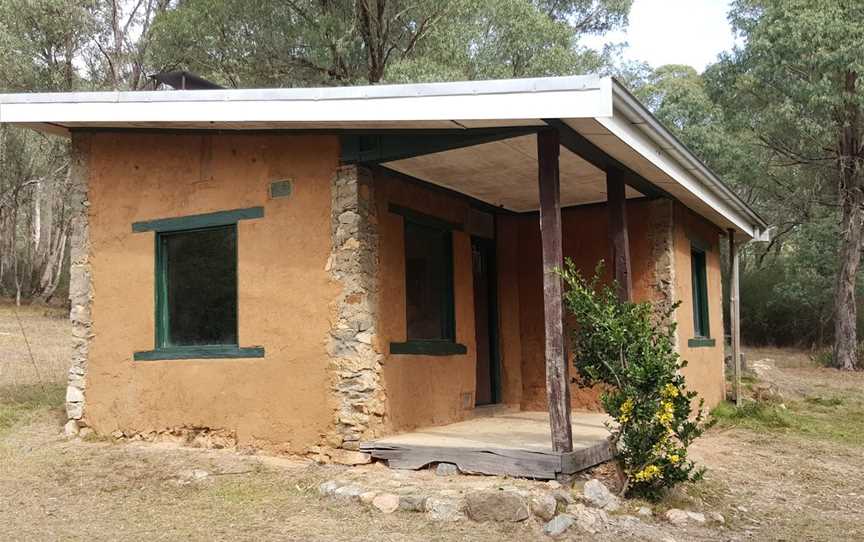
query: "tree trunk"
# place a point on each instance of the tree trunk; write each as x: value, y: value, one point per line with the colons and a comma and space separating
x: 845, y: 311
x: 851, y: 200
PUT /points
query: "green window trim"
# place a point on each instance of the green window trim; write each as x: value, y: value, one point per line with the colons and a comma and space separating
x: 446, y: 345
x: 163, y: 349
x: 194, y: 222
x: 218, y: 351
x: 699, y: 280
x: 428, y: 348
x: 701, y: 342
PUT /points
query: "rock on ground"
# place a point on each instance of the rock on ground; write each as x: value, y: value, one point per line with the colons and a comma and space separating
x: 599, y: 495
x: 544, y: 506
x: 495, y: 505
x: 412, y: 503
x: 588, y: 519
x: 386, y: 502
x: 558, y: 525
x: 446, y: 469
x: 676, y: 516
x: 444, y: 509
x: 348, y: 492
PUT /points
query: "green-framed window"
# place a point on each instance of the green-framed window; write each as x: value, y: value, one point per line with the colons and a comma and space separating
x: 429, y: 298
x: 196, y: 287
x: 698, y: 278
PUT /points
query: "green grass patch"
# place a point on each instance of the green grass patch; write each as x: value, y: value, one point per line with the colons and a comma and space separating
x: 753, y: 415
x: 19, y: 403
x: 837, y: 419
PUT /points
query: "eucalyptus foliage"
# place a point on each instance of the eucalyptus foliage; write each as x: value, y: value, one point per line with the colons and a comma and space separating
x: 794, y: 84
x: 629, y: 349
x: 309, y: 42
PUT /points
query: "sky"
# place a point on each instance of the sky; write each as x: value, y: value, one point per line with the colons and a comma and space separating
x: 662, y: 32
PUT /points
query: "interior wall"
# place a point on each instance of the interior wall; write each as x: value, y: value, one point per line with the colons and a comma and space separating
x: 283, y: 288
x: 422, y: 389
x: 704, y: 372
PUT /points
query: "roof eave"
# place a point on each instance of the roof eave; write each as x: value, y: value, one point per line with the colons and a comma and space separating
x: 637, y: 113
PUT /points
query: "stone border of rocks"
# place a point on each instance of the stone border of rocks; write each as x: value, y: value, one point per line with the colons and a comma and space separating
x: 557, y: 508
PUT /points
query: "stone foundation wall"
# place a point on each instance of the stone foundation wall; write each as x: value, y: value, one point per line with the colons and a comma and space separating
x: 352, y: 343
x: 80, y: 282
x: 662, y: 240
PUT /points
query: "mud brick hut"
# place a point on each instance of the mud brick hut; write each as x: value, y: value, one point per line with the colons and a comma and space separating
x: 371, y: 269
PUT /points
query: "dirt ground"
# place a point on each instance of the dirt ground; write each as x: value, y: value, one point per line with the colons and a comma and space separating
x: 791, y: 469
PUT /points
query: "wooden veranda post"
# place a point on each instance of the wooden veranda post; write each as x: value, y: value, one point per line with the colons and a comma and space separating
x: 557, y: 370
x: 735, y: 318
x: 619, y: 239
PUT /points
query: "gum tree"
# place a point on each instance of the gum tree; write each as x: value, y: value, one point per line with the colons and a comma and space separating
x: 795, y: 85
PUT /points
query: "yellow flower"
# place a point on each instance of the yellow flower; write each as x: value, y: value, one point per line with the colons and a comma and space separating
x: 626, y: 410
x: 669, y: 391
x: 674, y: 459
x: 666, y: 413
x: 647, y: 474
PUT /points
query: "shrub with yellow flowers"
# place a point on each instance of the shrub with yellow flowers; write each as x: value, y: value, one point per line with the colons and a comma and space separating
x: 629, y: 349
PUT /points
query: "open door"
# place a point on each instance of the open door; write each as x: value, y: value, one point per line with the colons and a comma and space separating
x: 486, y: 321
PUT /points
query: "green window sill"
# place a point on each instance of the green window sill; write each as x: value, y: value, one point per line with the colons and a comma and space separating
x: 701, y: 342
x: 428, y: 348
x: 200, y: 352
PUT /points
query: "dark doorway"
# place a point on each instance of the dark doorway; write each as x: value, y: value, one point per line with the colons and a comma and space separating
x: 486, y: 321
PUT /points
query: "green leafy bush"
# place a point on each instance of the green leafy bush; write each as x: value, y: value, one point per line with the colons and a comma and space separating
x: 629, y: 349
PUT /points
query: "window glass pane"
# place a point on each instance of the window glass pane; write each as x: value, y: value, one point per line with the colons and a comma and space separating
x: 428, y: 282
x: 700, y: 294
x: 201, y: 286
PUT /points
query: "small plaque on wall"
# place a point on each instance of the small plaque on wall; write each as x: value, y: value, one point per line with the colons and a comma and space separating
x: 281, y: 189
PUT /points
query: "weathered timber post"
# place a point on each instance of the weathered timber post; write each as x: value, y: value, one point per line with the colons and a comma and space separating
x: 557, y: 370
x: 735, y: 317
x: 619, y: 239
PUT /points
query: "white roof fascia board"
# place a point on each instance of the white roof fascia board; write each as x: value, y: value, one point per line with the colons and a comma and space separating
x: 576, y: 97
x: 634, y: 125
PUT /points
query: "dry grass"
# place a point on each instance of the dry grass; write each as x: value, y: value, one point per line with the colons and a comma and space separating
x: 47, y: 330
x: 799, y: 478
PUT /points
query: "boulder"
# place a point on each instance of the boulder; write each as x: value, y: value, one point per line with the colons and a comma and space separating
x: 544, y: 506
x: 349, y: 492
x: 598, y: 495
x: 676, y: 516
x: 558, y: 525
x: 386, y: 502
x: 588, y: 519
x: 412, y: 503
x: 446, y: 469
x: 495, y: 505
x: 443, y: 509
